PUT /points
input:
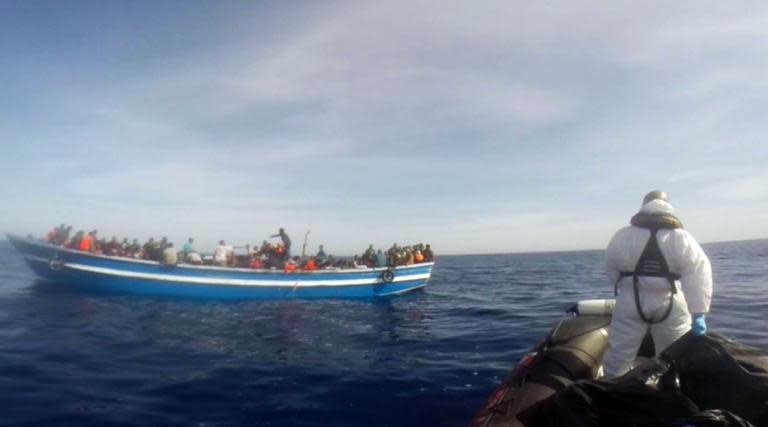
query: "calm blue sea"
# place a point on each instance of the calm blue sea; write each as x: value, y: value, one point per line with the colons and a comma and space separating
x: 425, y: 359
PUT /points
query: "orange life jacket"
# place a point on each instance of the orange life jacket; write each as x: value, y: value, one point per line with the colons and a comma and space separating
x: 310, y: 265
x: 86, y: 244
x: 289, y: 267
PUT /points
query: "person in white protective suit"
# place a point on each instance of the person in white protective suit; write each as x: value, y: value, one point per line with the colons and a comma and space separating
x: 663, y: 283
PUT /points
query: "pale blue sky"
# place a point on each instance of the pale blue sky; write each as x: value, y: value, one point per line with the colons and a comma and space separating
x: 493, y: 126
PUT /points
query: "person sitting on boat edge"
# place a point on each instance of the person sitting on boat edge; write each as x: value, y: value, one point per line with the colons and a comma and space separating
x: 150, y: 250
x: 381, y: 259
x: 309, y: 265
x: 369, y: 256
x: 88, y: 242
x: 409, y: 256
x: 393, y: 255
x: 256, y: 262
x: 169, y: 255
x: 222, y: 254
x: 187, y: 248
x: 162, y: 245
x: 134, y: 249
x: 124, y: 246
x: 358, y: 263
x: 194, y: 258
x: 112, y: 248
x: 661, y: 276
x: 76, y: 239
x: 54, y: 235
x: 291, y: 265
x: 322, y: 257
x: 429, y: 256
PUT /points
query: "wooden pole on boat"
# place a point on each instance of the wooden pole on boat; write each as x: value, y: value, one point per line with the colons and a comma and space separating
x: 304, y: 248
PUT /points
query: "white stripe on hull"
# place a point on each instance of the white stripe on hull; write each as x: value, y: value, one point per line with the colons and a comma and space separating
x: 240, y: 282
x: 245, y: 270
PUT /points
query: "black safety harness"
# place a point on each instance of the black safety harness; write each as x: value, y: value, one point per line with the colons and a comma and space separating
x: 651, y: 262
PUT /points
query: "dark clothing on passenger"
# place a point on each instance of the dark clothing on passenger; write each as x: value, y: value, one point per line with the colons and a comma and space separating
x: 286, y: 243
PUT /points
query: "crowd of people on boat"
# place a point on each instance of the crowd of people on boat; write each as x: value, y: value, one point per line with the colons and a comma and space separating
x: 268, y: 255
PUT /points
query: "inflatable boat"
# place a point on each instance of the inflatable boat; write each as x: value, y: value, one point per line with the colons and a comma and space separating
x: 698, y: 381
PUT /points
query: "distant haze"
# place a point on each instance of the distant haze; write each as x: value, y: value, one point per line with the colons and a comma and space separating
x: 492, y: 126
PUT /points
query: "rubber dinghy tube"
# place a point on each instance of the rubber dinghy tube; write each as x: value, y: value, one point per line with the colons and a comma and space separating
x: 388, y: 275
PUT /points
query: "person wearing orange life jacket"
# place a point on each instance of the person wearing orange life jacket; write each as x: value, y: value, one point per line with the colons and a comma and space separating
x: 310, y: 265
x: 88, y: 243
x: 290, y: 266
x: 418, y: 257
x: 257, y: 263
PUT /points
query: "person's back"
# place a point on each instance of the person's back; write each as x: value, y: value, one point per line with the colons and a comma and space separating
x: 169, y: 256
x: 409, y: 258
x: 661, y: 276
x: 193, y: 258
x: 381, y: 259
x: 221, y: 254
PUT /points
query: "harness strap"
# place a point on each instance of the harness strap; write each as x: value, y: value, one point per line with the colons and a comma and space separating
x: 651, y: 263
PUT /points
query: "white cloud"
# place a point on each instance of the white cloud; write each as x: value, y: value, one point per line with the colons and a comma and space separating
x: 446, y: 121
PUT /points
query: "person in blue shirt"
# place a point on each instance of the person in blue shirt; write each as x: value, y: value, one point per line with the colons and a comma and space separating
x: 188, y: 247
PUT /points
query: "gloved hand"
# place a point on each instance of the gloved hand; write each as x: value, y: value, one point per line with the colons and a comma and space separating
x: 698, y: 324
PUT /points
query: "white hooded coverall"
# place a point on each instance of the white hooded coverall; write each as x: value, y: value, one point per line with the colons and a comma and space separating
x: 685, y: 257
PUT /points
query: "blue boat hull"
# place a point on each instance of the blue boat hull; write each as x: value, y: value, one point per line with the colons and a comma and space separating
x: 125, y: 275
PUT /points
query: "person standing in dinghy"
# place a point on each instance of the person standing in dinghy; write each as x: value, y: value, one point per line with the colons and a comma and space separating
x: 663, y: 283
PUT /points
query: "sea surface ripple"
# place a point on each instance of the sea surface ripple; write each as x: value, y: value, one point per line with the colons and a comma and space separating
x: 431, y: 358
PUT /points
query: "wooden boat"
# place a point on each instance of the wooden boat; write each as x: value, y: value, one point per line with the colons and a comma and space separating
x: 127, y: 275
